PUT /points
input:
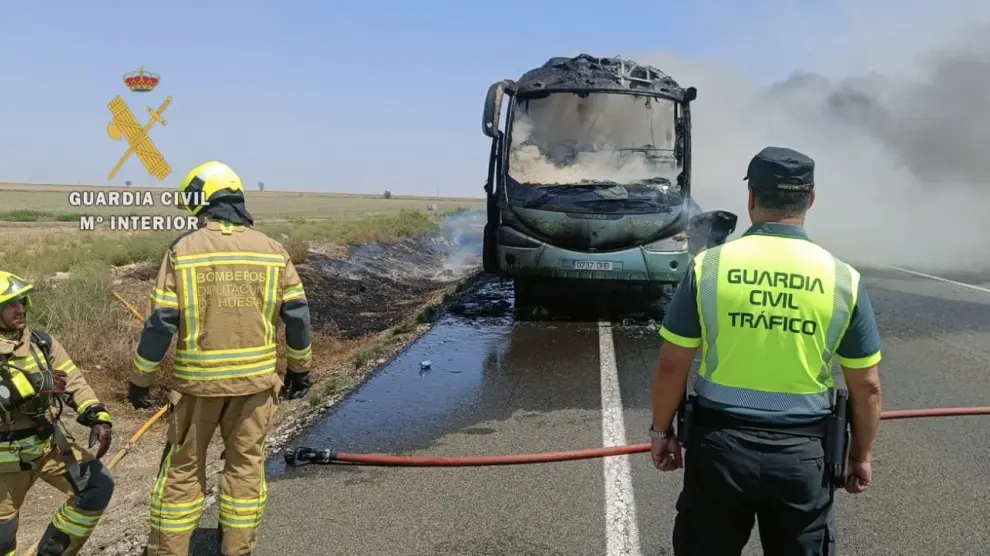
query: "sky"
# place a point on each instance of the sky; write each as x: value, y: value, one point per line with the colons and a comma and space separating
x: 367, y: 96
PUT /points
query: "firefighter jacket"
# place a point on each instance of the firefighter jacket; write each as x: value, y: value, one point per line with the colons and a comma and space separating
x: 222, y: 289
x: 17, y: 438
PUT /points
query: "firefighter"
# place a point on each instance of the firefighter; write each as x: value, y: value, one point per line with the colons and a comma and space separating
x: 37, y: 379
x: 771, y: 311
x: 221, y: 289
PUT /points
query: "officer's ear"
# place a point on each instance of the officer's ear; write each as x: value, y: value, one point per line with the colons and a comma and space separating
x: 811, y: 200
x: 751, y: 204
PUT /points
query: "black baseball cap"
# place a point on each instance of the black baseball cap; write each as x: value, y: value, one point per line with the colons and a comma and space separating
x: 782, y: 169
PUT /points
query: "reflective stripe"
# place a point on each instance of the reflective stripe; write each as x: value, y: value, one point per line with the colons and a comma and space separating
x: 145, y: 366
x: 82, y: 406
x: 164, y: 298
x: 232, y: 371
x: 172, y: 517
x: 191, y: 308
x: 156, y: 491
x: 24, y: 364
x: 32, y: 446
x: 841, y: 311
x: 707, y: 292
x: 176, y: 517
x: 303, y: 353
x: 240, y: 355
x: 269, y: 303
x: 67, y: 366
x: 770, y: 401
x: 706, y: 387
x: 38, y: 358
x: 21, y: 383
x: 242, y: 513
x: 229, y: 258
x: 224, y: 363
x: 293, y: 292
x: 71, y: 522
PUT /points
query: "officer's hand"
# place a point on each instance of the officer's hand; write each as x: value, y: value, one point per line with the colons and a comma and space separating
x: 859, y: 475
x: 138, y: 396
x: 296, y: 385
x: 97, y: 418
x: 667, y: 454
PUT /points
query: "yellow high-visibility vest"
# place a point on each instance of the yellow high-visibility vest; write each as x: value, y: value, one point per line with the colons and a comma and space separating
x: 773, y: 310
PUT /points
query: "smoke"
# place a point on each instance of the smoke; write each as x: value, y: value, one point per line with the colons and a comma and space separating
x: 902, y: 157
x: 566, y: 139
x: 461, y: 238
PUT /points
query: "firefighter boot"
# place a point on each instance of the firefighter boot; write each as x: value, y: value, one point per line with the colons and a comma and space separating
x: 56, y: 543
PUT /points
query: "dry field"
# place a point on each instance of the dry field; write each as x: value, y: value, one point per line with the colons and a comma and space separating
x: 76, y: 274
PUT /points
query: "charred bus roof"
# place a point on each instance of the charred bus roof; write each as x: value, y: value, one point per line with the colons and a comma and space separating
x: 586, y: 73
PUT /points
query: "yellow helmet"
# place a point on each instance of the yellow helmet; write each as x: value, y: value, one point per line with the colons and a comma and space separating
x: 13, y: 288
x: 207, y: 180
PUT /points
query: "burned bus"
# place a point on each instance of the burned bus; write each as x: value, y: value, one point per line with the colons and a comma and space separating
x: 590, y: 180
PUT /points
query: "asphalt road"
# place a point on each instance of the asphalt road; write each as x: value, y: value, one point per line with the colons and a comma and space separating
x: 498, y: 386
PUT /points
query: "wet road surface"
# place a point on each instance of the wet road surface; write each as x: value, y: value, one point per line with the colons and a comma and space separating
x: 497, y: 386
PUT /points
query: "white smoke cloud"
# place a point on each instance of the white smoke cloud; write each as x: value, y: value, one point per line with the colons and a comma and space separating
x: 901, y: 142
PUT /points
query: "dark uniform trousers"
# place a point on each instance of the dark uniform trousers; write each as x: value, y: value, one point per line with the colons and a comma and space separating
x: 733, y: 476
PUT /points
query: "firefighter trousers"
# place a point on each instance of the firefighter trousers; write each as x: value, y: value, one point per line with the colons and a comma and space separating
x: 74, y: 520
x: 179, y: 493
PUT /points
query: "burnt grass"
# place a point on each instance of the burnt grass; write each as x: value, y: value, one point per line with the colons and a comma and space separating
x: 376, y: 286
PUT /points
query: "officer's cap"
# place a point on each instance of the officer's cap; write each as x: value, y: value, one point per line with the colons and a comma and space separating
x: 782, y: 169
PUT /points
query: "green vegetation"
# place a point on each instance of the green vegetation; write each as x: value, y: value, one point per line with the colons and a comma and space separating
x: 26, y: 215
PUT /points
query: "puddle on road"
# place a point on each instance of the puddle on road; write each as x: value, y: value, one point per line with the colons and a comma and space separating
x: 403, y: 406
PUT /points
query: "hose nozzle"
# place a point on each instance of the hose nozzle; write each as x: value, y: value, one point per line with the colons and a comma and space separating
x: 296, y: 457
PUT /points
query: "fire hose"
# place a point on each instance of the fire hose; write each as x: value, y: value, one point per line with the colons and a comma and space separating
x: 304, y: 455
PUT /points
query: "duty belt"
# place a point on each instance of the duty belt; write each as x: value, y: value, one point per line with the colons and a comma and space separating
x: 713, y: 418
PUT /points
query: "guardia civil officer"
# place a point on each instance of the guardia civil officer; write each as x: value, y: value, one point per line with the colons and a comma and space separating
x: 770, y: 310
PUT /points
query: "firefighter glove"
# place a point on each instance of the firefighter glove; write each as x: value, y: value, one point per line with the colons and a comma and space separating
x: 97, y: 418
x: 59, y: 380
x: 296, y: 385
x: 138, y: 396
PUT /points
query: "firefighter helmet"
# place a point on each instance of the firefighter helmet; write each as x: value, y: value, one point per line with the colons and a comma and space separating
x: 14, y: 288
x: 205, y: 182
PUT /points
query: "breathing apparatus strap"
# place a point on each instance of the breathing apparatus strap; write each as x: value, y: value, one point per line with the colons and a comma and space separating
x: 44, y: 342
x: 74, y: 472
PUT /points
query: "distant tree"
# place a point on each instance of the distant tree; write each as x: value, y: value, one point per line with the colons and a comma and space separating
x: 261, y: 186
x: 387, y: 194
x: 127, y: 183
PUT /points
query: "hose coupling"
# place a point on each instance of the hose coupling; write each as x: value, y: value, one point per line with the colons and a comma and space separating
x: 296, y: 457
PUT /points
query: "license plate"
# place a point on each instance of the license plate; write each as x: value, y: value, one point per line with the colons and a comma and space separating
x: 593, y: 265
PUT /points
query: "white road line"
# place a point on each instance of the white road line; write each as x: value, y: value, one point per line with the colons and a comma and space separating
x: 621, y: 527
x: 940, y: 279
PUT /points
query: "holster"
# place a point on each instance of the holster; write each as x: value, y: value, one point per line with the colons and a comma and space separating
x: 837, y: 439
x: 685, y: 418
